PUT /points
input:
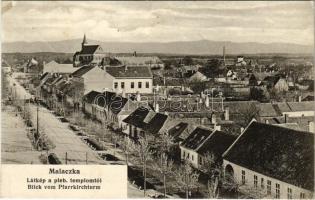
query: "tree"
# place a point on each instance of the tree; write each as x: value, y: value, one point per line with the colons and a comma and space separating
x: 187, y: 60
x: 186, y: 178
x: 247, y: 113
x: 257, y: 94
x: 214, y: 171
x: 127, y: 147
x: 212, y: 68
x: 213, y: 188
x: 144, y: 152
x: 164, y: 165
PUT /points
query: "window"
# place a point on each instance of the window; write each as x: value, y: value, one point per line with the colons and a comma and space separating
x: 139, y: 84
x: 122, y: 85
x: 262, y: 184
x: 268, y: 187
x: 115, y: 85
x: 192, y: 157
x: 277, y: 191
x: 183, y: 154
x: 132, y: 85
x: 302, y: 195
x: 289, y: 193
x: 147, y: 84
x: 188, y: 155
x: 243, y: 177
x: 255, y: 181
x: 200, y: 160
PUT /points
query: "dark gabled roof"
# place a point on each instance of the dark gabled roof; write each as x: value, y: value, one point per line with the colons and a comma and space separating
x: 177, y: 130
x: 131, y: 72
x: 136, y: 118
x: 282, y: 153
x: 217, y: 144
x: 81, y: 71
x: 89, y: 49
x: 156, y: 123
x: 308, y: 98
x: 196, y: 138
x: 90, y: 97
x: 270, y: 80
x: 115, y: 102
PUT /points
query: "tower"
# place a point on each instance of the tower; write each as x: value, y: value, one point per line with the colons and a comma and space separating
x: 84, y: 41
x: 224, y: 55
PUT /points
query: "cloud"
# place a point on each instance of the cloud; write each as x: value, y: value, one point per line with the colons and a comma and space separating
x: 160, y: 21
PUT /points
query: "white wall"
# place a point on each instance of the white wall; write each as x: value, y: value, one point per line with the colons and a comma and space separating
x: 190, y: 156
x: 128, y: 89
x: 309, y: 113
x: 97, y: 79
x: 249, y: 180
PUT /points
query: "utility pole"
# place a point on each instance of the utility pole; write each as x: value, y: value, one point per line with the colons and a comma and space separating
x: 37, y: 121
x: 66, y: 157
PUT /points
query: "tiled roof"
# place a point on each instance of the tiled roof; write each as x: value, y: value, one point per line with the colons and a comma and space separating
x: 196, y: 138
x: 136, y: 118
x: 81, y: 71
x: 217, y: 143
x: 89, y: 49
x: 156, y: 123
x: 267, y: 110
x: 54, y: 67
x: 282, y: 153
x: 130, y: 72
x: 90, y: 97
x: 180, y: 131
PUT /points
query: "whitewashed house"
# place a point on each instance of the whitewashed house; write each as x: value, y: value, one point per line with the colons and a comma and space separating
x: 121, y: 79
x: 202, y: 141
x: 276, y: 160
x: 54, y: 67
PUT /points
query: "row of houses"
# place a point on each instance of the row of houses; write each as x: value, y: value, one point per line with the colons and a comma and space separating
x: 276, y: 160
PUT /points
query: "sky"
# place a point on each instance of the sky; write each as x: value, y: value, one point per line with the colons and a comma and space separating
x: 147, y: 21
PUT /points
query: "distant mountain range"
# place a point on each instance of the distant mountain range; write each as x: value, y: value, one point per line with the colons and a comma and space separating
x: 191, y: 47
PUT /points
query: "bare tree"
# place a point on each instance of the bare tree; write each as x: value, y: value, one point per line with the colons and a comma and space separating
x: 186, y: 178
x: 144, y: 152
x: 213, y: 188
x: 247, y: 113
x: 165, y: 167
x: 127, y: 147
x: 214, y: 171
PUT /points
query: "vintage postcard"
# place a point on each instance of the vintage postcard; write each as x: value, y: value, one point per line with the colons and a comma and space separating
x: 157, y: 99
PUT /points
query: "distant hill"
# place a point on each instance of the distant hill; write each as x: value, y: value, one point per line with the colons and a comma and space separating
x: 190, y: 47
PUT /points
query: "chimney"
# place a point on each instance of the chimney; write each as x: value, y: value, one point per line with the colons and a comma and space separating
x: 267, y: 121
x: 126, y: 68
x: 300, y: 98
x: 123, y: 94
x: 207, y: 103
x: 213, y: 119
x: 311, y: 127
x: 157, y: 107
x: 285, y: 118
x: 138, y: 96
x: 135, y: 54
x: 217, y: 127
x: 227, y: 113
x: 242, y: 129
x: 44, y: 63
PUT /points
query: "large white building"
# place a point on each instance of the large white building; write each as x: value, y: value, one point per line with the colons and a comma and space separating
x: 276, y: 160
x: 120, y: 79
